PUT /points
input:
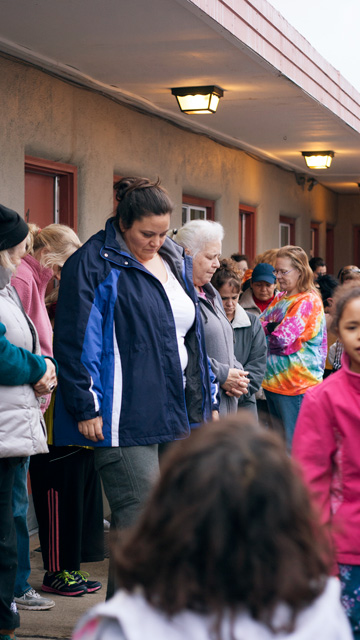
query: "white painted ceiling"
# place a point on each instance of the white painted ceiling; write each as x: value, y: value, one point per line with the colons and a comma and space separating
x: 136, y: 50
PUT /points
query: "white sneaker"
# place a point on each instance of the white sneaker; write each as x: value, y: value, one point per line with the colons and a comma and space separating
x: 33, y: 601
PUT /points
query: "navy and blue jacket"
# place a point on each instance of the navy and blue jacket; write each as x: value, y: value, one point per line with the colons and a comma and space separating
x: 116, y: 346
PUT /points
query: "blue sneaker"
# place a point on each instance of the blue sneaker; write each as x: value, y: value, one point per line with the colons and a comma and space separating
x: 81, y: 577
x: 63, y: 584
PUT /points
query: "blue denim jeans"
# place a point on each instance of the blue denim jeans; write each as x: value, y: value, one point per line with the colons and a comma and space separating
x: 127, y: 474
x: 20, y: 503
x: 284, y: 411
x: 9, y: 618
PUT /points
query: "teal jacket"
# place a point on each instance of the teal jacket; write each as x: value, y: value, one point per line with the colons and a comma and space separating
x: 18, y: 365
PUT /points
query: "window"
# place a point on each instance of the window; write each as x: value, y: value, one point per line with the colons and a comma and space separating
x: 286, y: 231
x: 197, y: 209
x: 191, y: 212
x: 330, y: 248
x: 247, y: 231
x: 284, y: 234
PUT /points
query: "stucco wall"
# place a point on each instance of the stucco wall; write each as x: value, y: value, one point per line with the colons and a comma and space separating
x: 349, y: 216
x: 45, y: 117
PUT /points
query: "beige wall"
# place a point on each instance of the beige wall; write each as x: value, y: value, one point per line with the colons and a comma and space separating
x: 348, y: 217
x: 45, y: 117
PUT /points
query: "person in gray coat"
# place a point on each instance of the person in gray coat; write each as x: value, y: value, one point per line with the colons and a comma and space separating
x: 250, y: 340
x: 202, y: 240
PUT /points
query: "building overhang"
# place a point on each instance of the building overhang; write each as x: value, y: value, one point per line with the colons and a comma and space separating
x: 280, y: 96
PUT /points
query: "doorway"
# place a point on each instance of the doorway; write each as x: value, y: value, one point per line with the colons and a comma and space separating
x: 50, y: 192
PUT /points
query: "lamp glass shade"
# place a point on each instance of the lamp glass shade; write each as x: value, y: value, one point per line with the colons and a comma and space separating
x: 318, y: 159
x: 198, y: 100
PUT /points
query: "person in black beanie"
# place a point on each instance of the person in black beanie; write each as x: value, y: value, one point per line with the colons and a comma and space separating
x: 24, y: 375
x: 13, y: 229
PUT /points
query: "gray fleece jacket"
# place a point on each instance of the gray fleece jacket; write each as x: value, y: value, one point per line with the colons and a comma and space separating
x: 250, y: 350
x: 219, y: 339
x: 248, y: 303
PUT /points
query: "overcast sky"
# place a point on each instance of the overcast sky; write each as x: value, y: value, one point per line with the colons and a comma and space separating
x: 332, y: 27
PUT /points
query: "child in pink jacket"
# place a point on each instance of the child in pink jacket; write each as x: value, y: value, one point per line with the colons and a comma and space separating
x: 327, y: 445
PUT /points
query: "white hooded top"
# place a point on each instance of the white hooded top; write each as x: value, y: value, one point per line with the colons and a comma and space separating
x: 131, y: 617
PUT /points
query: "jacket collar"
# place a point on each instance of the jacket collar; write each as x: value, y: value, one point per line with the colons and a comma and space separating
x: 41, y: 274
x: 209, y: 291
x: 246, y: 300
x: 241, y: 318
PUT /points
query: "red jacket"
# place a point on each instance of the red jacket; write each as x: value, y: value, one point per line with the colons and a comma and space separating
x: 327, y: 445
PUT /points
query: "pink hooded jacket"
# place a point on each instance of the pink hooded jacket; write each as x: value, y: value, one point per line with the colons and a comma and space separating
x: 327, y: 445
x: 30, y: 282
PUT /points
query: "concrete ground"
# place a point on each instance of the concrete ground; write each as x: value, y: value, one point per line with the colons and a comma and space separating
x: 59, y: 621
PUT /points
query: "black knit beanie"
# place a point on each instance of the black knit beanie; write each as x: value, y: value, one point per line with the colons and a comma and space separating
x: 13, y: 229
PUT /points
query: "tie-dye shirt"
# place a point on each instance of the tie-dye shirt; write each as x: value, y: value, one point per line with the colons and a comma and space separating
x: 297, y: 347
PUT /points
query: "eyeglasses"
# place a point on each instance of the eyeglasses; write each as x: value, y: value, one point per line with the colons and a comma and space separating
x: 281, y: 272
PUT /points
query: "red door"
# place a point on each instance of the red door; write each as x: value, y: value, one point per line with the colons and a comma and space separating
x: 50, y: 192
x: 39, y: 198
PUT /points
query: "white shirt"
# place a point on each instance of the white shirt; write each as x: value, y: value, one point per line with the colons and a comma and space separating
x: 183, y: 310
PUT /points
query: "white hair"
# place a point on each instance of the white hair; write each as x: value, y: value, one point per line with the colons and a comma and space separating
x: 196, y: 234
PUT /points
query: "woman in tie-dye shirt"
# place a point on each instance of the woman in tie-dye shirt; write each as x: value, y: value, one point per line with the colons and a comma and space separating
x: 294, y: 324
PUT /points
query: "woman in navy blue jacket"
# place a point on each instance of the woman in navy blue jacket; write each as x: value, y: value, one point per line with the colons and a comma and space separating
x: 133, y: 370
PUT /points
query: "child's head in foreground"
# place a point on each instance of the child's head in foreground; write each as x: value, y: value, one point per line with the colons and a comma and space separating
x: 229, y: 525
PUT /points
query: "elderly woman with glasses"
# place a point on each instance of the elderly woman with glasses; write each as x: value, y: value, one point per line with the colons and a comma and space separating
x: 202, y: 240
x: 294, y: 324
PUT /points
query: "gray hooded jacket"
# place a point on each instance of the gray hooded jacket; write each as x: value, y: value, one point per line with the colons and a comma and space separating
x: 250, y: 350
x: 219, y: 339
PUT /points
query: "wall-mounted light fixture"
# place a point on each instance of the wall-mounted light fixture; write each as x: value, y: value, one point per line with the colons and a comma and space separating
x: 311, y: 183
x: 193, y: 100
x: 300, y: 179
x: 318, y: 159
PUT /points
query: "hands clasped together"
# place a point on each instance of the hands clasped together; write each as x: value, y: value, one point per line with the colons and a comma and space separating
x: 237, y: 382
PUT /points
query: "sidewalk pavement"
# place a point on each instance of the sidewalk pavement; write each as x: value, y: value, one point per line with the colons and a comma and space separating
x: 58, y: 622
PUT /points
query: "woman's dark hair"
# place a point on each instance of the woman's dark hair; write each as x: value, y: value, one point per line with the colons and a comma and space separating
x: 228, y: 526
x: 137, y: 198
x: 327, y: 285
x: 225, y: 274
x: 316, y: 262
x: 344, y: 294
x: 239, y: 257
